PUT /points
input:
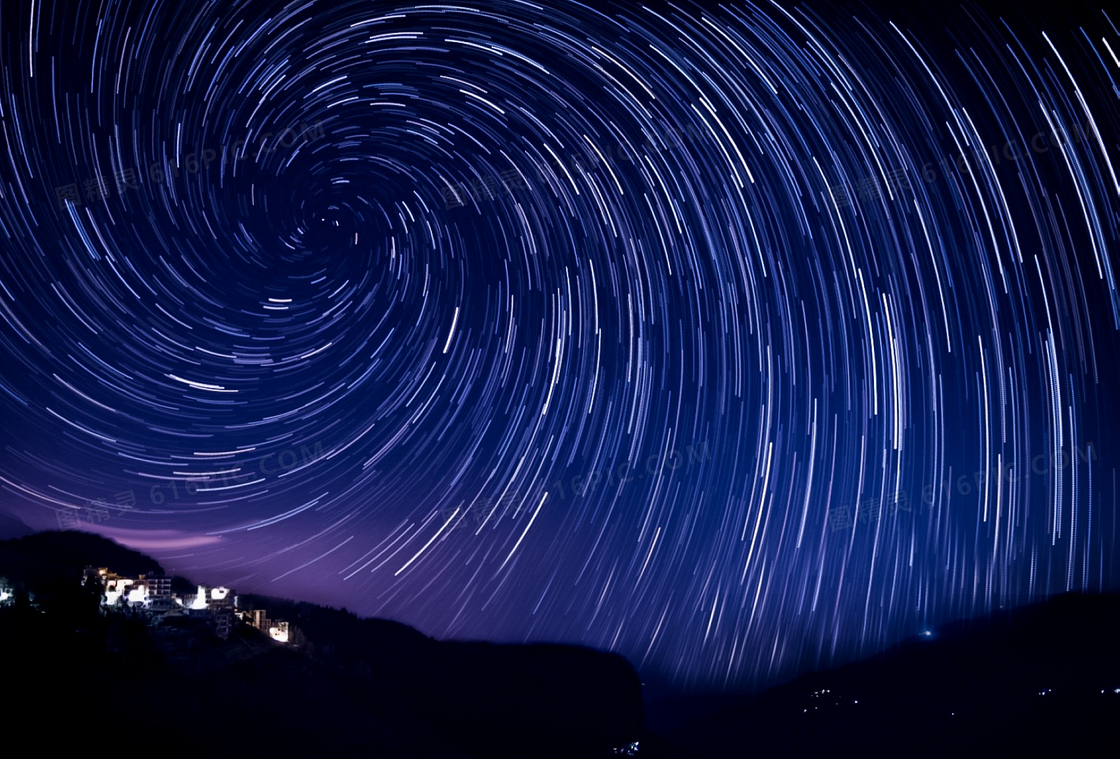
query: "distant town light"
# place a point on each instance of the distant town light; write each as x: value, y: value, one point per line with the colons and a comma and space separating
x: 279, y: 632
x: 200, y: 598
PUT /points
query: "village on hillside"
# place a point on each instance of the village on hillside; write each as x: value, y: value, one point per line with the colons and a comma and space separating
x: 153, y: 594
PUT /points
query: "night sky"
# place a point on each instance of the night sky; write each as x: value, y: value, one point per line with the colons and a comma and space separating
x: 740, y: 339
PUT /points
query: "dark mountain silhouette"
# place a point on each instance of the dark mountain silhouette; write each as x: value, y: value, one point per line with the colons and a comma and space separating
x: 63, y: 554
x: 81, y: 674
x: 491, y: 700
x: 1040, y: 680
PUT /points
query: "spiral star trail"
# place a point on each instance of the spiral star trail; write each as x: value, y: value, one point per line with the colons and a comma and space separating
x: 739, y: 339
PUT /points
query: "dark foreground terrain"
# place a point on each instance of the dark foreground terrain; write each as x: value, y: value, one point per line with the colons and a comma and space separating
x: 1042, y: 680
x: 79, y: 676
x: 1038, y: 681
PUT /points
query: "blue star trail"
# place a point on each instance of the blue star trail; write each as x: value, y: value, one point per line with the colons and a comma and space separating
x: 738, y: 339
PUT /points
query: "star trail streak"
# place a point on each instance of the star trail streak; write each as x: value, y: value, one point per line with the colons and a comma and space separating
x: 465, y: 253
